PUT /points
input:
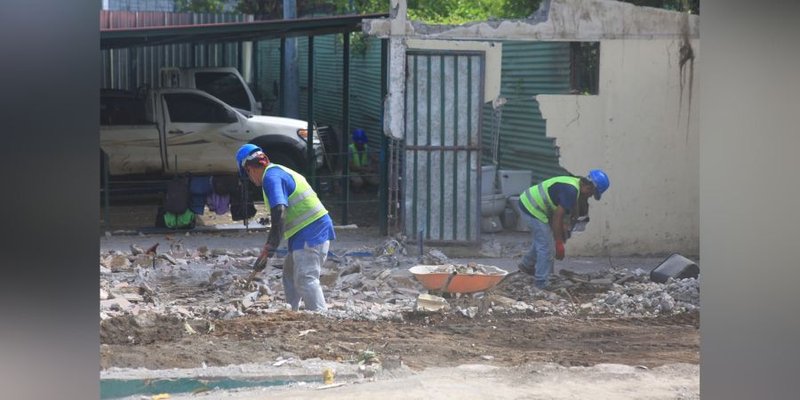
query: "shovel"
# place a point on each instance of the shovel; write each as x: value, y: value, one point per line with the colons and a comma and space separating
x: 255, y: 272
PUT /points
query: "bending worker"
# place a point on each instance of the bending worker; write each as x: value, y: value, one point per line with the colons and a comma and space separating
x: 544, y: 207
x: 362, y: 168
x: 297, y: 215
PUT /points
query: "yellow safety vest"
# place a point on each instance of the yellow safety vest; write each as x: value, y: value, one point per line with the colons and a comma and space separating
x: 359, y: 158
x: 304, y: 205
x: 537, y: 201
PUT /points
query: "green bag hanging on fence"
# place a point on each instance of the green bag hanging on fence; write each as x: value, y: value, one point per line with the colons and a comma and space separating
x: 185, y: 220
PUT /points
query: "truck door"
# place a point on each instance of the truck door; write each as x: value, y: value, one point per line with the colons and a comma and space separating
x: 199, y: 134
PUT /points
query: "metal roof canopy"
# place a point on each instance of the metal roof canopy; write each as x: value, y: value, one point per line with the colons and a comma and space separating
x: 230, y: 32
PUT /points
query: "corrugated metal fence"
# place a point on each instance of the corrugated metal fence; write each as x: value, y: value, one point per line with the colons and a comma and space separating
x: 132, y: 68
x: 529, y: 68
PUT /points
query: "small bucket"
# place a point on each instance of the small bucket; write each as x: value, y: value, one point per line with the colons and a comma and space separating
x: 675, y: 266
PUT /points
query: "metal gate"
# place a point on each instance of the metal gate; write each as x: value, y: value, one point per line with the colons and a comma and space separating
x: 441, y: 189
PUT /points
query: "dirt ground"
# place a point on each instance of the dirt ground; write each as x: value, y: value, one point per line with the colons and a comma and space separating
x: 420, y: 342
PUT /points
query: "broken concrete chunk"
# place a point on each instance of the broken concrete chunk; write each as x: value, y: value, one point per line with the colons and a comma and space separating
x: 501, y: 301
x: 435, y: 257
x: 118, y: 262
x: 469, y: 312
x: 133, y: 297
x: 143, y: 260
x: 169, y: 258
x: 219, y: 252
x: 383, y: 275
x: 250, y: 299
x: 117, y: 304
x: 136, y: 250
x: 431, y: 303
x: 103, y: 294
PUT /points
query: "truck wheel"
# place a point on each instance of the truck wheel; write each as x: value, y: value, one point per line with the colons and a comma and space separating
x: 286, y: 160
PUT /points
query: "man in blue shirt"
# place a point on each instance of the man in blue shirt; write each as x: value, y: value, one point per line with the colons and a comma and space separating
x: 544, y: 207
x: 297, y: 215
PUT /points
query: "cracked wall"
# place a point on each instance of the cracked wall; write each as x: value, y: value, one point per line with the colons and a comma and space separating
x: 640, y: 130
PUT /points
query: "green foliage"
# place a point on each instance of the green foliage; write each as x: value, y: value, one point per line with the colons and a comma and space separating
x: 199, y: 6
x: 454, y: 12
x: 692, y: 6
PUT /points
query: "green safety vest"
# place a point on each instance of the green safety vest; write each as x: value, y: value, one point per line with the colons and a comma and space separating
x: 537, y: 201
x: 359, y: 158
x: 304, y: 205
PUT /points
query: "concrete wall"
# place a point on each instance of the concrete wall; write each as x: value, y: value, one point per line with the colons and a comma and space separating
x: 642, y: 129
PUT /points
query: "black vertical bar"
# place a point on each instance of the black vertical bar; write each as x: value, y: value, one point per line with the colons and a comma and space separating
x: 469, y: 152
x: 416, y: 173
x: 240, y: 56
x: 345, y: 126
x: 254, y: 65
x: 384, y: 159
x: 455, y: 143
x: 310, y: 137
x: 442, y: 144
x: 428, y: 143
x: 282, y: 80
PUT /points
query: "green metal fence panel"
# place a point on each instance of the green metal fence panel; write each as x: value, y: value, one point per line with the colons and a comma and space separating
x: 365, y: 82
x: 442, y: 146
x: 267, y: 75
x: 529, y: 68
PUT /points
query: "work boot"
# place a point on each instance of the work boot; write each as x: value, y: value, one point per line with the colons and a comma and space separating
x: 525, y: 269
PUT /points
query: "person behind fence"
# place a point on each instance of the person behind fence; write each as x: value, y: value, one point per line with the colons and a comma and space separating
x: 296, y: 215
x: 363, y: 171
x: 544, y: 207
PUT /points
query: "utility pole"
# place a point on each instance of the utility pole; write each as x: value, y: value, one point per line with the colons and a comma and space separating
x: 291, y: 94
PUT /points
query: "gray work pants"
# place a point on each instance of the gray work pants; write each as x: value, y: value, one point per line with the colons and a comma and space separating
x: 301, y: 277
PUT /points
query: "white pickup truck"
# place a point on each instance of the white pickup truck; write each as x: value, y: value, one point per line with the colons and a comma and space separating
x: 168, y: 131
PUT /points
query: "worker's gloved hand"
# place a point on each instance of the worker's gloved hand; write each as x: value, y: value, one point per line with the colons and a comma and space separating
x: 261, y: 261
x: 560, y: 250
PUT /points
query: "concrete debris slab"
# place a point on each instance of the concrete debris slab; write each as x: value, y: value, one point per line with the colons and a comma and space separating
x: 431, y: 303
x: 491, y: 249
x: 104, y: 295
x: 434, y: 257
x: 249, y: 299
x: 168, y: 258
x: 117, y: 262
x: 136, y: 250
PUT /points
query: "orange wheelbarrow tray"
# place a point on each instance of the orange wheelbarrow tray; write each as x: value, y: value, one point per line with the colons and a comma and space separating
x: 435, y: 277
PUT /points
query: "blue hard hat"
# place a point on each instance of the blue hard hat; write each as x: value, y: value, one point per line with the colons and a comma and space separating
x: 241, y: 156
x: 359, y: 136
x: 600, y: 181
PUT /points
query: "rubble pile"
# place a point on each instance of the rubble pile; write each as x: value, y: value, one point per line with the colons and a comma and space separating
x: 207, y: 284
x: 649, y: 298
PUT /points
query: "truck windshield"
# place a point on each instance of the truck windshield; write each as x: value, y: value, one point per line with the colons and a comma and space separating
x: 224, y: 86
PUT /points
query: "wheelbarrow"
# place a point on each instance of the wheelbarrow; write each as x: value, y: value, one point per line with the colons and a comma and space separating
x: 449, y: 280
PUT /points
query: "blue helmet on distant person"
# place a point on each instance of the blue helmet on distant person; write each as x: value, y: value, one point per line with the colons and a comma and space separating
x: 242, y: 155
x: 600, y: 181
x: 359, y: 136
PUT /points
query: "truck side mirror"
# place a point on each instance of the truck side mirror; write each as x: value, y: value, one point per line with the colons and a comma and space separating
x: 230, y: 116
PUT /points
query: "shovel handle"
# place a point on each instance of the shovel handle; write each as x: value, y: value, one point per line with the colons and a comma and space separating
x: 447, y: 282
